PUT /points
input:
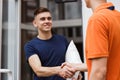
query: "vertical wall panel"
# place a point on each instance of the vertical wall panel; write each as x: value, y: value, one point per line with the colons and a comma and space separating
x: 18, y: 40
x: 11, y: 37
x: 0, y: 29
x: 14, y: 37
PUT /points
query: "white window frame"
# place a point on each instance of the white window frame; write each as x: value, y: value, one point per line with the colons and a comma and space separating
x: 8, y: 72
x: 0, y: 29
x: 14, y: 56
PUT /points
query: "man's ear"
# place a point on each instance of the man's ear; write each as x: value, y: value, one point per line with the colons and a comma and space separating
x: 34, y: 23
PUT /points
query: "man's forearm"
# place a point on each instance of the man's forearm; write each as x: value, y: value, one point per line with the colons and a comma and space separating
x: 47, y: 71
x: 97, y: 77
x: 98, y: 69
x: 81, y: 67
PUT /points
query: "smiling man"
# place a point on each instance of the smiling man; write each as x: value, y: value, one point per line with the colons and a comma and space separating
x: 46, y: 52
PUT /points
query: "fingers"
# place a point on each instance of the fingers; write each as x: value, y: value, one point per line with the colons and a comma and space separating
x: 73, y: 78
x: 66, y: 72
x: 70, y: 65
x: 80, y: 76
x: 69, y: 71
x: 63, y: 64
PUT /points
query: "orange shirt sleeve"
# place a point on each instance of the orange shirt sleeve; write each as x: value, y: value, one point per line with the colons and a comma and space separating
x: 97, y: 38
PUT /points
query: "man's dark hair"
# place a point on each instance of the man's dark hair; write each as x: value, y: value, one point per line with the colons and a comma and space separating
x: 40, y: 10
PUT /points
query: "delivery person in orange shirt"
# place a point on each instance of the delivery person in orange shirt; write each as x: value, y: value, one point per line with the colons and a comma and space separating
x: 102, y: 46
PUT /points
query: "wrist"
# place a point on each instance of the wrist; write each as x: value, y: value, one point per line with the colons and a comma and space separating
x: 78, y: 66
x: 58, y: 70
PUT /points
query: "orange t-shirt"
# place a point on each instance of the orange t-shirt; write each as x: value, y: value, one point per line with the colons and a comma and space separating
x: 103, y: 39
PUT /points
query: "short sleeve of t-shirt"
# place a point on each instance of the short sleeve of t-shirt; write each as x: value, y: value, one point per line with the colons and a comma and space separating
x: 97, y: 38
x: 29, y: 50
x: 41, y: 47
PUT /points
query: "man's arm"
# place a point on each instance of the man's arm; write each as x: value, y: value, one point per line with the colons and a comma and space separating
x: 98, y: 69
x: 42, y: 71
x: 76, y: 66
x: 81, y: 67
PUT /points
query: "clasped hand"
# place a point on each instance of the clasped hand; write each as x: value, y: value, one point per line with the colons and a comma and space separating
x: 68, y: 70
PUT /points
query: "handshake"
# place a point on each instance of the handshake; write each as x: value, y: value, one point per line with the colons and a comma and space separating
x: 73, y: 65
x: 68, y: 70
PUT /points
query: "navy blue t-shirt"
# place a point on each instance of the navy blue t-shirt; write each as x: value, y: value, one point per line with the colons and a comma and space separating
x: 51, y: 53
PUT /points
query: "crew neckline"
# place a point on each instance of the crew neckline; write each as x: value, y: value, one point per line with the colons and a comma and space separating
x: 44, y: 39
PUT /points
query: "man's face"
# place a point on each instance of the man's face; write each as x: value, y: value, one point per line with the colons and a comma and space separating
x: 43, y: 21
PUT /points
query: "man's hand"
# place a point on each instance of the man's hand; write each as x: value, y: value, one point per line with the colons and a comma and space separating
x: 72, y: 67
x: 79, y: 77
x: 66, y: 72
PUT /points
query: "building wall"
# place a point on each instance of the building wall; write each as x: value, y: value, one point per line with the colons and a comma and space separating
x: 10, y: 33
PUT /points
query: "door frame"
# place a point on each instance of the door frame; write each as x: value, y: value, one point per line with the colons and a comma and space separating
x: 0, y: 29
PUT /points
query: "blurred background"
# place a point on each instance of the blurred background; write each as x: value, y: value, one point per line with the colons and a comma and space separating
x: 69, y: 19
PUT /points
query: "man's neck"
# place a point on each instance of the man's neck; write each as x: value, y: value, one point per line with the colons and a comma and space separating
x: 44, y: 35
x: 95, y: 4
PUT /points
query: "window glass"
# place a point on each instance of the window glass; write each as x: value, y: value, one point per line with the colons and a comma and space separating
x: 70, y: 10
x: 73, y: 10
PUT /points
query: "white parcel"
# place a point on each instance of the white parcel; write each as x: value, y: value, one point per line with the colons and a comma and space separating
x: 73, y: 56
